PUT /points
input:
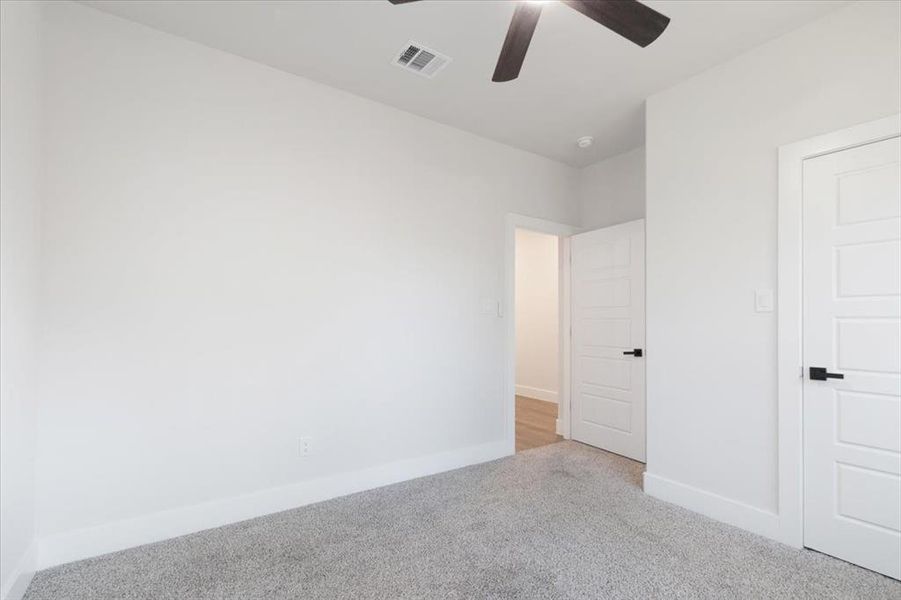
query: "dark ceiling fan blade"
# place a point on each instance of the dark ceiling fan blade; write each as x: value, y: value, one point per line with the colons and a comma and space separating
x: 519, y: 35
x: 629, y: 18
x: 402, y: 1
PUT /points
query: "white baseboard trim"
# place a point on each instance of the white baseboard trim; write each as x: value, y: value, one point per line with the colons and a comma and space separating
x: 536, y: 393
x: 733, y: 512
x: 93, y: 541
x: 559, y: 427
x: 17, y: 584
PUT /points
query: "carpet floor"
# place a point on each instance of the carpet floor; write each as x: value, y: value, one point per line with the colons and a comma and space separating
x: 561, y: 521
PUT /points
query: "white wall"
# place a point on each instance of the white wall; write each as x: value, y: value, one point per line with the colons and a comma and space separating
x: 20, y: 56
x: 612, y: 191
x: 711, y: 240
x: 537, y: 315
x: 235, y: 257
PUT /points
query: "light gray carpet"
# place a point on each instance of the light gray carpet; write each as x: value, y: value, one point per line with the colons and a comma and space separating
x: 563, y: 521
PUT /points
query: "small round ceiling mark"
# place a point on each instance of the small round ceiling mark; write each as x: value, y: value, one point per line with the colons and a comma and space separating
x: 585, y: 141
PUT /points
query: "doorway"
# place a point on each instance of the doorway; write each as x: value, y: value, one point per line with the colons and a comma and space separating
x: 551, y: 418
x: 600, y: 395
x: 537, y: 321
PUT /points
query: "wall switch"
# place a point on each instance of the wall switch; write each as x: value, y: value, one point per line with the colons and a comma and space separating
x: 305, y: 447
x: 764, y: 301
x: 490, y: 306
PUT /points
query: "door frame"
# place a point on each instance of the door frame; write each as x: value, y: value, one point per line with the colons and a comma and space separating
x: 790, y: 364
x: 562, y: 231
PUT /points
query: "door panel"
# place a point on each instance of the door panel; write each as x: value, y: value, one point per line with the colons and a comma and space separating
x: 852, y: 326
x: 606, y: 373
x: 608, y: 402
x: 869, y: 496
x: 856, y: 278
x: 869, y: 195
x: 605, y: 294
x: 869, y: 420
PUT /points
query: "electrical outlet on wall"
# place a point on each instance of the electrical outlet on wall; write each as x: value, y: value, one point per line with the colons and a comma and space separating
x: 305, y: 447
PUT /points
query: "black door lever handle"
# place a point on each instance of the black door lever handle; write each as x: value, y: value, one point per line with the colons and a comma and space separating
x: 636, y: 352
x: 821, y: 374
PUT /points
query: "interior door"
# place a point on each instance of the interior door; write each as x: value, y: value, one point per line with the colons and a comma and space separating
x: 852, y: 355
x: 608, y: 370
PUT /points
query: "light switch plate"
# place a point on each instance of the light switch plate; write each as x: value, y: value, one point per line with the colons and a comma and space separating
x: 490, y: 306
x: 764, y: 301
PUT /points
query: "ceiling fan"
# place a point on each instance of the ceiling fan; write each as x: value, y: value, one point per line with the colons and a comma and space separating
x: 629, y: 18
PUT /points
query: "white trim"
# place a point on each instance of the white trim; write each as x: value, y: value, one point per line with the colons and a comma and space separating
x: 564, y: 424
x: 712, y: 505
x: 514, y: 222
x: 93, y: 541
x: 20, y: 578
x: 536, y: 393
x: 789, y: 316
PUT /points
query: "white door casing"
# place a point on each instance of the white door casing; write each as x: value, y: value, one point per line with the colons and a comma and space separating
x: 608, y: 320
x: 512, y: 223
x: 852, y: 326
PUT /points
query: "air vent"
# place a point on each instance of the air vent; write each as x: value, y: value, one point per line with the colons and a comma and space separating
x: 421, y: 60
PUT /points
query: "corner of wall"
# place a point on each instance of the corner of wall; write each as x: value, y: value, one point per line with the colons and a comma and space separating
x: 21, y: 576
x: 612, y: 191
x: 21, y: 116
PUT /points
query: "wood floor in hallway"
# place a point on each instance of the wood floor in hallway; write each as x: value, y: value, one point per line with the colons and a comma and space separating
x: 536, y: 423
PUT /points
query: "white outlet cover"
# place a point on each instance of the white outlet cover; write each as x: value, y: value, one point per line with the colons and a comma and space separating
x: 305, y: 446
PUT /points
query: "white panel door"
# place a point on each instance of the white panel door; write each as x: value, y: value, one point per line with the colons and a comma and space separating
x: 608, y: 371
x: 852, y: 329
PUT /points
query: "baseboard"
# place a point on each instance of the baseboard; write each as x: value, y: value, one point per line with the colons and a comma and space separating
x: 712, y: 505
x: 93, y: 541
x: 17, y: 584
x: 536, y: 393
x: 558, y: 427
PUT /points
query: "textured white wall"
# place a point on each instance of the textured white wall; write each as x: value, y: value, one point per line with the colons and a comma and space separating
x: 613, y: 191
x: 235, y: 257
x: 711, y: 237
x: 537, y: 315
x: 20, y: 122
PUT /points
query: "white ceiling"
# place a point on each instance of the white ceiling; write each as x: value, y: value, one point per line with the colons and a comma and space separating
x: 579, y: 78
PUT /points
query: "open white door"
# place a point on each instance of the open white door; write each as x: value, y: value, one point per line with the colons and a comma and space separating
x: 852, y: 355
x: 608, y: 371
